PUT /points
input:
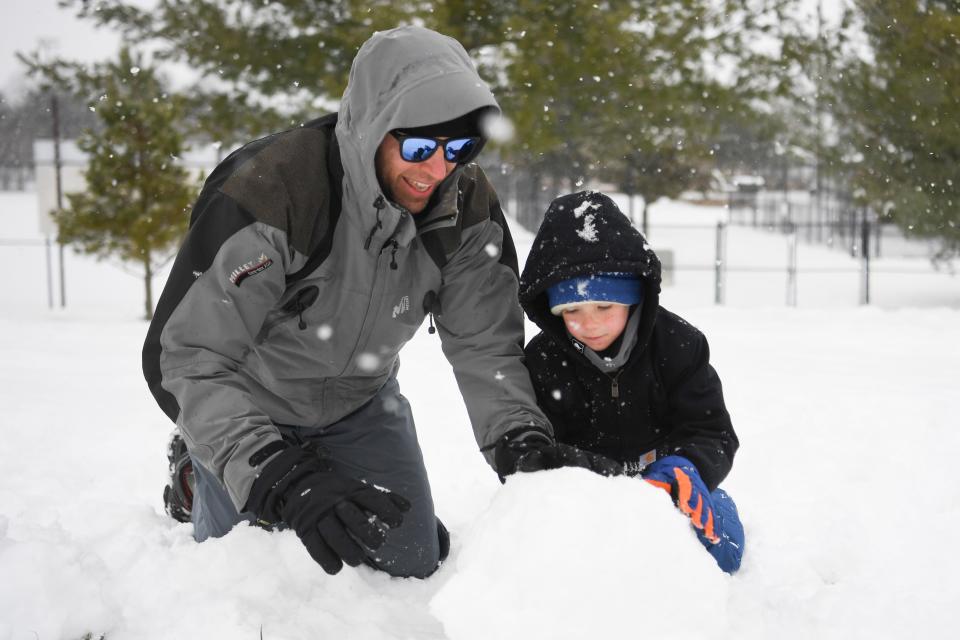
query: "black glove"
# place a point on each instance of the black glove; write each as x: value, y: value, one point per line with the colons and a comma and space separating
x: 533, y: 450
x: 331, y: 513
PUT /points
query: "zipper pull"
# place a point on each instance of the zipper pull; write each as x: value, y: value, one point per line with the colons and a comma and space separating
x: 431, y: 305
x: 393, y: 255
x: 366, y: 243
x: 301, y: 302
x: 615, y: 385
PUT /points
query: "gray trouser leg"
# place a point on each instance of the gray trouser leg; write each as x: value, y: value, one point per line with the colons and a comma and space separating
x: 213, y: 513
x: 377, y: 443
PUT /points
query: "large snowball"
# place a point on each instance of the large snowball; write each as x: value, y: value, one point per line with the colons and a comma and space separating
x: 570, y: 554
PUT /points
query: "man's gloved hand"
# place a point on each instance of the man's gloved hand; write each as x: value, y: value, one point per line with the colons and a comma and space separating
x: 533, y: 450
x: 335, y: 516
x: 679, y: 477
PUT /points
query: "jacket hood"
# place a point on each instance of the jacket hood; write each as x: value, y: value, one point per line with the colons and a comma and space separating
x: 401, y: 78
x: 583, y: 234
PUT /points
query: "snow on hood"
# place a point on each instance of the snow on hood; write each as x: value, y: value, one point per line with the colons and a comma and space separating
x: 583, y: 234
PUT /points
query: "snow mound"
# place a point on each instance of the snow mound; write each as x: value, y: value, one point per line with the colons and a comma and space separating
x: 569, y: 554
x: 42, y: 573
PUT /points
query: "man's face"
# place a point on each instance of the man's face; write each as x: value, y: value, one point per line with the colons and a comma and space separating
x: 596, y: 324
x: 409, y: 184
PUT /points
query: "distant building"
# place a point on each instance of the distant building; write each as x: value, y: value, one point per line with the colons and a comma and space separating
x: 73, y: 164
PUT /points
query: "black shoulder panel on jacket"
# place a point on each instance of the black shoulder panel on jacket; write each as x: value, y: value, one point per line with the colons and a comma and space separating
x: 307, y: 206
x: 476, y: 189
x: 285, y: 183
x: 477, y: 202
x: 487, y: 201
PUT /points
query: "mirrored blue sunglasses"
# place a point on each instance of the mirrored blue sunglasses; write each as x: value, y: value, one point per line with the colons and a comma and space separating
x: 420, y: 148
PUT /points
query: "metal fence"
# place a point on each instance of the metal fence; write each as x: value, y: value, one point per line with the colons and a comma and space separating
x: 791, y: 233
x: 49, y: 248
x: 754, y: 254
x: 726, y: 258
x: 829, y: 218
x: 790, y: 225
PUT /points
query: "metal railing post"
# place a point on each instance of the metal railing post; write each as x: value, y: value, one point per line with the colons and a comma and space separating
x: 865, y: 262
x: 791, y: 265
x: 58, y: 172
x: 720, y: 264
x: 49, y: 273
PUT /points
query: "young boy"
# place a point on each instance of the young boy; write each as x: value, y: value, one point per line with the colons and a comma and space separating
x: 620, y: 376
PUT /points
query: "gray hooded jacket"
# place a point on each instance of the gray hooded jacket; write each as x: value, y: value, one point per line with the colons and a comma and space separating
x: 299, y: 282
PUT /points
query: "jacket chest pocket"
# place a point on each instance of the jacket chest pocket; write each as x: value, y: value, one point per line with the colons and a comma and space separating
x: 625, y: 410
x: 291, y: 311
x: 295, y: 341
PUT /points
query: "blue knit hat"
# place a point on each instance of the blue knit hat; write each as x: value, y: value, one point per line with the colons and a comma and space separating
x: 618, y: 288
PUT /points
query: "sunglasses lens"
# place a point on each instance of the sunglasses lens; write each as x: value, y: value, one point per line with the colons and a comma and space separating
x: 414, y: 149
x: 459, y: 149
x: 417, y: 149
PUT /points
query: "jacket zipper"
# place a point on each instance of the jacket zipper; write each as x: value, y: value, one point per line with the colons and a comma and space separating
x: 367, y: 322
x: 615, y: 384
x: 379, y: 205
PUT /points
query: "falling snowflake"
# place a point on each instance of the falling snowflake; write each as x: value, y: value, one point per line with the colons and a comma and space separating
x: 324, y: 332
x: 368, y: 362
x: 391, y: 405
x: 498, y: 128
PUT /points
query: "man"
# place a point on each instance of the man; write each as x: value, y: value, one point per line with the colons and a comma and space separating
x: 313, y: 257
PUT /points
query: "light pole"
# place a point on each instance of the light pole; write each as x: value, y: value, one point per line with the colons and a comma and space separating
x: 57, y: 167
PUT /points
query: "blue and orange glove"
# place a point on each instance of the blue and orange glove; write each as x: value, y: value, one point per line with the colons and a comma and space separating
x: 679, y: 477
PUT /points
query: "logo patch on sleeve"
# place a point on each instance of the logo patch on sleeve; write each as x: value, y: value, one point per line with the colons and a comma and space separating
x: 250, y: 268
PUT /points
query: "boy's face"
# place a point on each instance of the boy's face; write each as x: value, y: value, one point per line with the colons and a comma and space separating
x: 596, y: 324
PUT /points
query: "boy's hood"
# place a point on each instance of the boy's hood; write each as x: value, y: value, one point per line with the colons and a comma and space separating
x: 583, y: 234
x: 401, y: 78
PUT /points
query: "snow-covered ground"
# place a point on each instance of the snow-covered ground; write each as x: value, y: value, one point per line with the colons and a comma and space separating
x: 845, y: 481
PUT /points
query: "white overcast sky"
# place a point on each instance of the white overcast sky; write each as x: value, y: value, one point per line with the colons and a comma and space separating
x: 27, y: 24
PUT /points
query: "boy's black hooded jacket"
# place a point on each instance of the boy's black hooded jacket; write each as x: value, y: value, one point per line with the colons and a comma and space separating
x: 669, y: 397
